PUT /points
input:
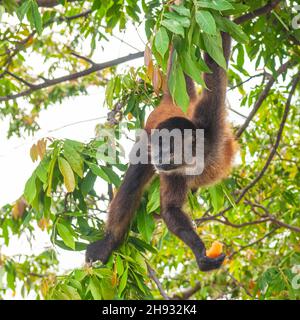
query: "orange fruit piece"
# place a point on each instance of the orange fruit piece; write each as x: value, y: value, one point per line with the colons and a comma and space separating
x: 215, y: 250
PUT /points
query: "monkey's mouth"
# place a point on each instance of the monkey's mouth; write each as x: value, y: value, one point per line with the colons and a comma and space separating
x: 173, y: 167
x: 166, y: 167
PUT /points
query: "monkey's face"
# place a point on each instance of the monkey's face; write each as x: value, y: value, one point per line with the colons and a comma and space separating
x: 173, y: 146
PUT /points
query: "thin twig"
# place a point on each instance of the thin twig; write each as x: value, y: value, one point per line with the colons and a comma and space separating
x: 153, y: 276
x: 252, y: 243
x: 82, y: 58
x: 262, y: 97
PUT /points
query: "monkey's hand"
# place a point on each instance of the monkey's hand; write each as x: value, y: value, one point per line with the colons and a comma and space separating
x: 206, y: 263
x: 98, y: 251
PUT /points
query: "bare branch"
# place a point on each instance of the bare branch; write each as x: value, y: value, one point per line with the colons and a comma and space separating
x: 262, y: 97
x: 258, y: 12
x: 245, y: 81
x: 83, y: 58
x: 30, y: 85
x: 153, y: 276
x: 252, y: 243
x: 73, y: 76
x: 241, y: 225
x: 284, y: 225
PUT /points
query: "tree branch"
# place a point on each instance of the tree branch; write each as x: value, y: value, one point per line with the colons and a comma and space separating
x: 278, y: 138
x: 30, y: 85
x: 187, y: 293
x: 271, y: 216
x: 153, y: 276
x: 73, y: 76
x: 262, y: 97
x: 258, y: 12
x: 245, y: 81
x: 49, y: 3
x: 83, y: 58
x: 252, y: 243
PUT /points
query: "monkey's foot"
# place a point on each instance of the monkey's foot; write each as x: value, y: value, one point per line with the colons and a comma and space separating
x: 99, y: 250
x: 206, y: 264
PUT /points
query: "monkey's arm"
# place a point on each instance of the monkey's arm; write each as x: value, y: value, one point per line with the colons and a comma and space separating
x: 121, y: 212
x: 209, y: 113
x: 173, y: 193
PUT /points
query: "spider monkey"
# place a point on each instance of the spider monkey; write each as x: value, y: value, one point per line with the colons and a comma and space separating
x: 207, y: 112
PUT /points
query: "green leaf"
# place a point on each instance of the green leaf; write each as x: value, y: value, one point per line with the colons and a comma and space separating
x: 35, y: 15
x: 241, y: 55
x: 232, y: 28
x: 206, y: 22
x: 228, y: 195
x: 178, y: 87
x: 173, y: 16
x: 217, y: 197
x: 42, y: 170
x: 192, y: 69
x: 88, y: 183
x: 98, y: 171
x: 79, y: 246
x: 66, y: 235
x: 181, y: 10
x: 145, y: 225
x: 219, y: 5
x: 174, y: 26
x: 214, y: 49
x: 153, y: 197
x: 142, y: 245
x: 74, y: 158
x: 119, y: 265
x: 161, y: 41
x: 30, y: 189
x: 70, y: 292
x: 107, y: 290
x: 109, y: 92
x: 112, y: 176
x: 94, y: 287
x: 67, y: 172
x: 22, y: 10
x: 123, y: 282
x: 96, y: 4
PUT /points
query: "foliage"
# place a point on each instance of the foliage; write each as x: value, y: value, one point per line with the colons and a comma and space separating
x: 254, y: 213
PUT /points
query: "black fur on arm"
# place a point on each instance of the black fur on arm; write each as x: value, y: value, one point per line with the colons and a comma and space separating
x: 209, y: 113
x: 121, y: 212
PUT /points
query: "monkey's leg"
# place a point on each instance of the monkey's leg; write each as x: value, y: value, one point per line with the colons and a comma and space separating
x: 121, y: 212
x: 173, y: 192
